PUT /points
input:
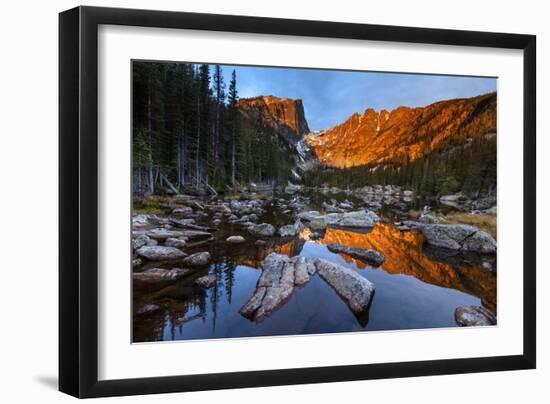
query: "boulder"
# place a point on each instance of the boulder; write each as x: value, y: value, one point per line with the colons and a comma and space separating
x: 192, y: 234
x: 318, y: 224
x: 175, y: 242
x: 262, y: 230
x: 155, y: 275
x: 160, y: 253
x: 468, y: 316
x: 301, y: 275
x: 355, y: 290
x: 458, y: 237
x: 140, y: 241
x: 206, y: 281
x: 429, y: 219
x: 260, y: 242
x: 372, y: 257
x: 198, y: 259
x: 235, y: 240
x: 360, y: 219
x: 185, y: 211
x: 291, y: 230
x: 147, y: 309
x: 163, y: 234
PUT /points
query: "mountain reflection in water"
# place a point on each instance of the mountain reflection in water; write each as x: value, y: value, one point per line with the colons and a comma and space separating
x: 414, y: 289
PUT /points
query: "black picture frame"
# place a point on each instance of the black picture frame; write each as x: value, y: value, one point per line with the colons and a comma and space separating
x: 78, y: 200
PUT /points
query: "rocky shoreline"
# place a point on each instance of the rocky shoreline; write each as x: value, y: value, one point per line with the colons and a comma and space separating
x: 191, y: 227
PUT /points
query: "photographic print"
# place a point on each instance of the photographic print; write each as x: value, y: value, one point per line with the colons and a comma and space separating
x: 275, y: 201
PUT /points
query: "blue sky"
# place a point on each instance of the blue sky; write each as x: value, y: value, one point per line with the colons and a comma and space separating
x: 330, y: 97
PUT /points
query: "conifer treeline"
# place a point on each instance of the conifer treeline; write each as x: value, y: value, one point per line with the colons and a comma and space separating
x: 189, y: 135
x: 470, y: 167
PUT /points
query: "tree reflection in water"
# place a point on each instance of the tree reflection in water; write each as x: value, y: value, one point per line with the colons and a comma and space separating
x: 188, y: 311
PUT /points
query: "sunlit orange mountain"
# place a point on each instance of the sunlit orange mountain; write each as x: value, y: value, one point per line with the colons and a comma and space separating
x: 404, y: 134
x: 285, y: 115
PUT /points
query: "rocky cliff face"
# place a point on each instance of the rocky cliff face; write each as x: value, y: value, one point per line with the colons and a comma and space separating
x: 286, y: 116
x: 404, y: 134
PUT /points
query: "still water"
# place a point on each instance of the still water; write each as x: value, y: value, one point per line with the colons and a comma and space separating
x: 415, y: 288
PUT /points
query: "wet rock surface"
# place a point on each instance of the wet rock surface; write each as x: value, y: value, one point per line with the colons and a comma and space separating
x: 459, y: 237
x: 206, y: 281
x: 198, y: 259
x: 280, y: 274
x: 235, y: 240
x: 154, y: 275
x: 474, y: 316
x: 160, y: 253
x: 361, y: 219
x: 365, y: 254
x: 348, y: 284
x: 262, y: 230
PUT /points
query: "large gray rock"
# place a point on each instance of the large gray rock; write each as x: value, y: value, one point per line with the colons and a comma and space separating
x: 235, y: 240
x: 193, y: 234
x: 301, y: 274
x: 198, y: 259
x: 147, y: 309
x: 459, y: 237
x: 355, y: 290
x: 467, y: 316
x: 274, y: 287
x: 163, y: 234
x: 364, y: 254
x: 175, y: 242
x: 262, y: 230
x: 155, y: 275
x: 160, y: 253
x: 318, y: 224
x: 291, y: 230
x: 206, y: 281
x: 185, y: 211
x: 429, y: 219
x: 360, y: 219
x: 140, y: 241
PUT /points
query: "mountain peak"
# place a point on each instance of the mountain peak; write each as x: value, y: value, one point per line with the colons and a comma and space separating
x: 286, y: 115
x: 405, y: 133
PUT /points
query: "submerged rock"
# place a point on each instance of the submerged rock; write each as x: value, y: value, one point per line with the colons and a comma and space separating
x: 364, y: 254
x: 467, y: 316
x: 198, y: 259
x: 348, y: 284
x: 206, y: 281
x: 154, y: 275
x: 235, y: 240
x: 262, y: 230
x: 160, y: 253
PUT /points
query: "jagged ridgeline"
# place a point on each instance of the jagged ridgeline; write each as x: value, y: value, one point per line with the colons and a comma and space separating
x: 191, y: 134
x: 445, y: 147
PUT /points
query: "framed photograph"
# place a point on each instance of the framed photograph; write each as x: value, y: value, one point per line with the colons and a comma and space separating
x: 251, y: 201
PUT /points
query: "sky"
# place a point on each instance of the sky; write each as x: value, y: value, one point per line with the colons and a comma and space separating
x: 330, y: 97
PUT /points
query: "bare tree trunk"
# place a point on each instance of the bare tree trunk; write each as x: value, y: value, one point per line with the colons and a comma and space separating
x: 197, y: 160
x: 150, y: 136
x: 233, y: 161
